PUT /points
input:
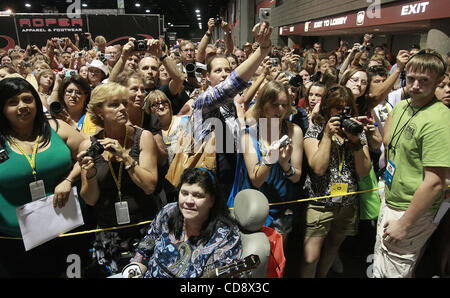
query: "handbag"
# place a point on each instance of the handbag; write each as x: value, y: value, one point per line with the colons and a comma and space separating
x: 369, y: 204
x: 188, y: 156
x: 277, y: 262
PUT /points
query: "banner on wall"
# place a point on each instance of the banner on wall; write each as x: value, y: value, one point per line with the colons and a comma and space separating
x: 25, y: 29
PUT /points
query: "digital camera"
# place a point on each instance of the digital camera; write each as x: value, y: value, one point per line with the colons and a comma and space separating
x: 348, y: 124
x: 95, y: 150
x: 217, y: 21
x: 70, y: 72
x: 140, y: 45
x: 264, y: 14
x: 3, y: 155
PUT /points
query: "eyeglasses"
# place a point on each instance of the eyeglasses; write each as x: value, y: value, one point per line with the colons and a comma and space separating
x: 158, y: 104
x: 77, y: 92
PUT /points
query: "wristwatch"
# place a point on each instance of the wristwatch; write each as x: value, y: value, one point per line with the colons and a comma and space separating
x: 132, y: 165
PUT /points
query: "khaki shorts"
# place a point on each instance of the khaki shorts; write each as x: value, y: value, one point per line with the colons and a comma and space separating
x: 399, y: 260
x: 320, y: 220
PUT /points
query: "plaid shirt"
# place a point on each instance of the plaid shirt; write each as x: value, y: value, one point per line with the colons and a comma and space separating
x: 211, y: 99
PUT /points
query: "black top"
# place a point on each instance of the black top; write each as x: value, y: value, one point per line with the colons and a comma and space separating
x: 141, y: 206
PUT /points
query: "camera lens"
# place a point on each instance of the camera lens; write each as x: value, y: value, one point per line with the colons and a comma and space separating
x: 351, y: 126
x: 55, y: 107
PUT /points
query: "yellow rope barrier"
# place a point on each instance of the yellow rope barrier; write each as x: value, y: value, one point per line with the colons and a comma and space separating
x: 149, y: 221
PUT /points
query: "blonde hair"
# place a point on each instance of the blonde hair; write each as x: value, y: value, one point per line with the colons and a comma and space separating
x: 427, y: 59
x: 101, y: 94
x: 156, y: 96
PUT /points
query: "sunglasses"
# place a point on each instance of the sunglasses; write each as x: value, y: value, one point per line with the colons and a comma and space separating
x: 158, y: 104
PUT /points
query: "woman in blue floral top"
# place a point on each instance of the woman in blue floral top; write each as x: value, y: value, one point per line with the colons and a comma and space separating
x: 191, y: 237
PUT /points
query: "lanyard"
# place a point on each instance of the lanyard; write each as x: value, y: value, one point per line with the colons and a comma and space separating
x: 118, y: 179
x: 168, y: 141
x: 32, y: 160
x: 341, y: 156
x: 399, y: 133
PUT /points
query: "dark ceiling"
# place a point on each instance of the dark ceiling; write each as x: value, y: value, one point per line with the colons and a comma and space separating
x: 177, y: 12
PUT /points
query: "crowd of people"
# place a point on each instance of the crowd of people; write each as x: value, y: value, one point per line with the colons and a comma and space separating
x: 293, y: 123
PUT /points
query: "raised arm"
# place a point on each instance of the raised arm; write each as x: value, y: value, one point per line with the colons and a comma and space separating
x: 127, y: 50
x: 201, y: 50
x: 177, y: 79
x: 382, y: 91
x: 261, y: 33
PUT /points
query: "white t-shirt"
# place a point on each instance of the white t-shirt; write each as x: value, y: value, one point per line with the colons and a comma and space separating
x: 381, y: 113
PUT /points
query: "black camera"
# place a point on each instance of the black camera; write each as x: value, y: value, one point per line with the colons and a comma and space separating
x: 192, y: 68
x: 296, y: 81
x: 3, y: 155
x: 217, y: 21
x: 95, y: 150
x: 348, y: 124
x: 102, y: 57
x: 140, y: 45
x: 55, y: 107
x: 403, y: 78
x: 316, y: 77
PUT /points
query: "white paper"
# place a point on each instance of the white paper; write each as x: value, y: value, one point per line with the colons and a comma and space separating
x: 40, y: 222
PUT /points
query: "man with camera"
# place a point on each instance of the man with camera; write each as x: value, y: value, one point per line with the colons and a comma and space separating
x: 213, y: 23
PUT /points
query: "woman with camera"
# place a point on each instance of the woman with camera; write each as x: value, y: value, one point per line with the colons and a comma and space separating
x: 335, y: 146
x: 69, y: 100
x: 35, y: 162
x: 274, y: 167
x: 118, y: 173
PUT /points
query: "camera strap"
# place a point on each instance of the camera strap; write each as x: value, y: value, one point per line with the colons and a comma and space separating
x: 341, y: 155
x: 399, y: 133
x: 118, y: 178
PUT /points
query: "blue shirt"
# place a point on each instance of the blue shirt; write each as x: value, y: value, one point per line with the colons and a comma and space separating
x: 208, y: 100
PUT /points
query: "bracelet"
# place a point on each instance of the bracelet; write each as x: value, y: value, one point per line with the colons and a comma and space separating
x: 71, y: 181
x: 132, y: 165
x: 208, y: 34
x: 285, y: 173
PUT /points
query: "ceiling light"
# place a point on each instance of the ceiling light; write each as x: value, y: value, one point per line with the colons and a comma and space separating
x: 147, y: 11
x: 137, y: 5
x: 84, y: 5
x: 197, y: 10
x: 27, y: 4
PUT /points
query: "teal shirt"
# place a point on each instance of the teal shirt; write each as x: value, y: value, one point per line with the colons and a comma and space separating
x: 52, y: 165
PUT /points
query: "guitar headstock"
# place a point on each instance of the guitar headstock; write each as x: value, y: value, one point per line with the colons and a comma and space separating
x: 248, y: 263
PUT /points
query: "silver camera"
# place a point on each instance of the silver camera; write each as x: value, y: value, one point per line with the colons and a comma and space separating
x: 264, y: 14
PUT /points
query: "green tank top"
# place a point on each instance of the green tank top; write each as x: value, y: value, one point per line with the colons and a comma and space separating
x: 52, y: 166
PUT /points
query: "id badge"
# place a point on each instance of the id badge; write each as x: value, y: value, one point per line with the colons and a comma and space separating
x: 338, y: 189
x: 389, y: 173
x: 122, y: 213
x: 37, y: 190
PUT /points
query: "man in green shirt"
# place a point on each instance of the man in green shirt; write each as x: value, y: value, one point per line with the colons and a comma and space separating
x: 417, y: 140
